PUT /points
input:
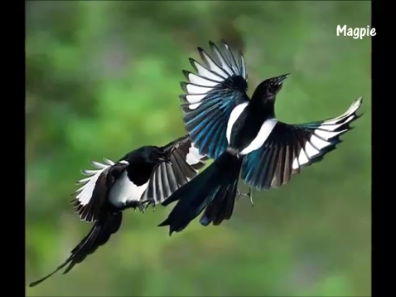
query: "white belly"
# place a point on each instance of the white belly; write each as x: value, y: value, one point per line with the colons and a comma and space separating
x: 124, y: 191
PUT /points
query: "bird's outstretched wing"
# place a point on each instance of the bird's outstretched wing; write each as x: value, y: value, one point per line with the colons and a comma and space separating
x: 210, y: 96
x: 90, y: 198
x: 288, y: 148
x: 185, y: 161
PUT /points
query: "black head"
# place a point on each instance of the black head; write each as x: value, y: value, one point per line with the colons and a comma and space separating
x: 147, y: 154
x: 154, y: 154
x: 271, y: 86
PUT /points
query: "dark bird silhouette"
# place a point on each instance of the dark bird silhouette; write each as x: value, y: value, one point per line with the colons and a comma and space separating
x: 243, y: 136
x: 143, y: 177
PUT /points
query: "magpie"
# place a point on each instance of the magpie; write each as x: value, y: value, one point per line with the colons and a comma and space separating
x: 244, y: 137
x: 143, y: 177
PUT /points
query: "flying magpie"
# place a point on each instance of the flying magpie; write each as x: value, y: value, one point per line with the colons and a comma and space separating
x: 145, y: 176
x: 243, y: 136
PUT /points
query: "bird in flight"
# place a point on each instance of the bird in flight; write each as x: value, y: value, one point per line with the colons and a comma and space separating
x: 143, y: 177
x: 243, y: 136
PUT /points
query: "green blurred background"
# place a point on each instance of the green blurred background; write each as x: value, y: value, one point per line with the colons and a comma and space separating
x: 102, y: 78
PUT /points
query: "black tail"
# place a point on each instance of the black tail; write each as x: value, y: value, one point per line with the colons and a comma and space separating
x: 215, y: 188
x: 99, y: 235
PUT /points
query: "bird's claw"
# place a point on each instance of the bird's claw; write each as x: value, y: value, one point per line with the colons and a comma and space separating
x: 249, y: 194
x: 144, y: 205
x: 141, y: 208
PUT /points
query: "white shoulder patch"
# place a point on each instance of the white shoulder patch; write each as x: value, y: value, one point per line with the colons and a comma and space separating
x: 193, y: 157
x: 262, y: 136
x: 235, y: 113
x: 89, y: 183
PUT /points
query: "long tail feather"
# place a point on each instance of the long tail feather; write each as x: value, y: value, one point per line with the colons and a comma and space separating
x: 97, y: 236
x: 214, y: 189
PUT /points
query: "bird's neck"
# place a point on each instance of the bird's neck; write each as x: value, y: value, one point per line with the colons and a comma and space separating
x: 139, y: 171
x: 264, y: 105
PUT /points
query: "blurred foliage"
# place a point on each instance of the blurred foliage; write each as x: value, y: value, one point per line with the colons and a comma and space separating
x: 102, y: 78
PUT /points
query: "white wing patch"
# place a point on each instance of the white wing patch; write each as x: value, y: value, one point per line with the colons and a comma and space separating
x: 213, y: 66
x: 89, y: 183
x: 207, y: 73
x: 202, y: 83
x: 210, y: 76
x: 193, y: 157
x: 194, y: 106
x: 319, y: 140
x: 222, y: 61
x: 197, y: 90
x: 198, y: 80
x: 195, y: 98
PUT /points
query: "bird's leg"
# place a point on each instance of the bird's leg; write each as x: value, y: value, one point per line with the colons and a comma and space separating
x: 141, y: 207
x: 148, y: 204
x: 249, y: 194
x: 239, y: 194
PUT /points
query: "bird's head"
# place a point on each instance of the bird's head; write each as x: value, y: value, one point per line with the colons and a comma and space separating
x: 271, y: 86
x: 157, y: 154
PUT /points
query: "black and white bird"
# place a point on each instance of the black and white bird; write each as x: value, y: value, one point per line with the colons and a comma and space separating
x: 243, y: 136
x: 145, y: 176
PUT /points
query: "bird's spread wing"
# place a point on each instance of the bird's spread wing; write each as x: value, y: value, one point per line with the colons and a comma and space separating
x: 290, y: 147
x: 167, y: 178
x: 92, y: 195
x: 210, y: 96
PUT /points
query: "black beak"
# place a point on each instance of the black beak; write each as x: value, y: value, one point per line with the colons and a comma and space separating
x: 281, y: 78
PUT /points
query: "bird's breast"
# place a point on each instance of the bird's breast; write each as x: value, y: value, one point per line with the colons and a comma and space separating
x: 257, y: 139
x: 124, y: 191
x: 248, y: 127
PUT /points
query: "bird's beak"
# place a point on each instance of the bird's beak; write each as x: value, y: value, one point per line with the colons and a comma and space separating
x: 281, y: 78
